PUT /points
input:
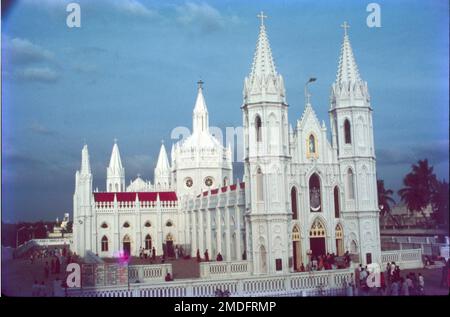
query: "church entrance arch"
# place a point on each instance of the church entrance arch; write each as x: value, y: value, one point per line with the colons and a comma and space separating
x: 126, y: 245
x: 317, y: 238
x: 296, y: 248
x: 169, y: 245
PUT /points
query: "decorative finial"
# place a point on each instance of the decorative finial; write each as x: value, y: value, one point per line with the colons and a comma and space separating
x: 345, y: 26
x: 200, y: 84
x: 162, y: 141
x: 115, y: 140
x: 138, y: 175
x: 262, y: 17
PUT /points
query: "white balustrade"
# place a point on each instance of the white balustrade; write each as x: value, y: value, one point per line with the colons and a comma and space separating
x: 406, y: 259
x: 332, y: 282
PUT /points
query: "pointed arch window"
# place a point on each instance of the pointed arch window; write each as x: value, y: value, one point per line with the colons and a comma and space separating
x: 314, y: 193
x: 347, y: 132
x: 294, y: 203
x: 258, y: 126
x: 350, y: 184
x: 259, y: 185
x: 148, y: 242
x: 336, y: 202
x: 104, y: 244
x: 317, y: 229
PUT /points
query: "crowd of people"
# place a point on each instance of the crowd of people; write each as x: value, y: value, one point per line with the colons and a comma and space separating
x: 389, y: 282
x: 327, y: 261
x: 54, y: 260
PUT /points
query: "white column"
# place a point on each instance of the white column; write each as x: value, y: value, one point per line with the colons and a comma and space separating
x: 200, y: 232
x: 219, y: 230
x: 194, y: 234
x: 208, y: 234
x: 238, y: 234
x: 227, y: 233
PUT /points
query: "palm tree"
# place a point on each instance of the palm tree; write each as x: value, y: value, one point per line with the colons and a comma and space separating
x: 385, y: 200
x: 418, y: 188
x: 440, y: 202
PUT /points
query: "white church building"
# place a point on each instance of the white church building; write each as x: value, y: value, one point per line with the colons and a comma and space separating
x: 306, y: 190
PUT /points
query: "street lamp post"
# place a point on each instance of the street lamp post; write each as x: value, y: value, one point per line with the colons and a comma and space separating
x: 307, y: 95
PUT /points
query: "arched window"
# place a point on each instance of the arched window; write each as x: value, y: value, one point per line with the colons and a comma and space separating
x: 104, y: 244
x: 117, y: 187
x: 339, y: 240
x: 110, y: 187
x: 225, y: 181
x: 259, y: 185
x: 148, y: 224
x: 258, y: 127
x: 126, y: 224
x: 312, y: 144
x: 314, y: 193
x: 347, y: 132
x: 350, y: 184
x: 336, y: 202
x: 294, y: 202
x: 104, y: 225
x: 295, y: 233
x: 148, y: 242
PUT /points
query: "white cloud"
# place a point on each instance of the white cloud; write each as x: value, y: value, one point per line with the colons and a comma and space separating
x: 39, y: 74
x: 202, y: 15
x: 134, y: 7
x: 22, y: 51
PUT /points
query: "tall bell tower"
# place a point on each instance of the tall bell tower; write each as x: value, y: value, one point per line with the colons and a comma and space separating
x: 352, y: 138
x: 266, y: 151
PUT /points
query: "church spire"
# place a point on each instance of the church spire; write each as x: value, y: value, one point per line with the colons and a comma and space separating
x: 200, y: 121
x: 162, y: 170
x: 115, y: 181
x: 163, y: 161
x: 85, y: 164
x: 348, y: 81
x: 263, y: 83
x: 347, y: 69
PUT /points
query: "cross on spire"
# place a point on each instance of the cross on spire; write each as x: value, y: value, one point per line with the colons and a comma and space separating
x: 200, y: 84
x: 115, y: 140
x: 345, y: 26
x: 262, y: 17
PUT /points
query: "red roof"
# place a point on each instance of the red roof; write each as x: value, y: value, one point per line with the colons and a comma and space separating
x: 147, y: 196
x: 131, y: 196
x: 102, y: 197
x: 167, y: 196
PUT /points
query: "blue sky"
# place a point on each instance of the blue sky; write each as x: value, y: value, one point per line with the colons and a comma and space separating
x: 130, y: 73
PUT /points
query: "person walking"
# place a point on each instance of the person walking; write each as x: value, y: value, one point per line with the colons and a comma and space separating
x: 444, y: 276
x: 206, y: 256
x: 46, y: 270
x: 405, y: 287
x: 198, y: 255
x: 421, y: 285
x: 153, y: 254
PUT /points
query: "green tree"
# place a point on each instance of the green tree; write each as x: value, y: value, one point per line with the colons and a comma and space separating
x: 440, y: 202
x: 385, y: 201
x: 419, y: 184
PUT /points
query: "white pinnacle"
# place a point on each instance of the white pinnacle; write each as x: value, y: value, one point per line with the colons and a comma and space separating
x: 347, y: 69
x: 115, y: 163
x: 85, y: 164
x: 163, y: 161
